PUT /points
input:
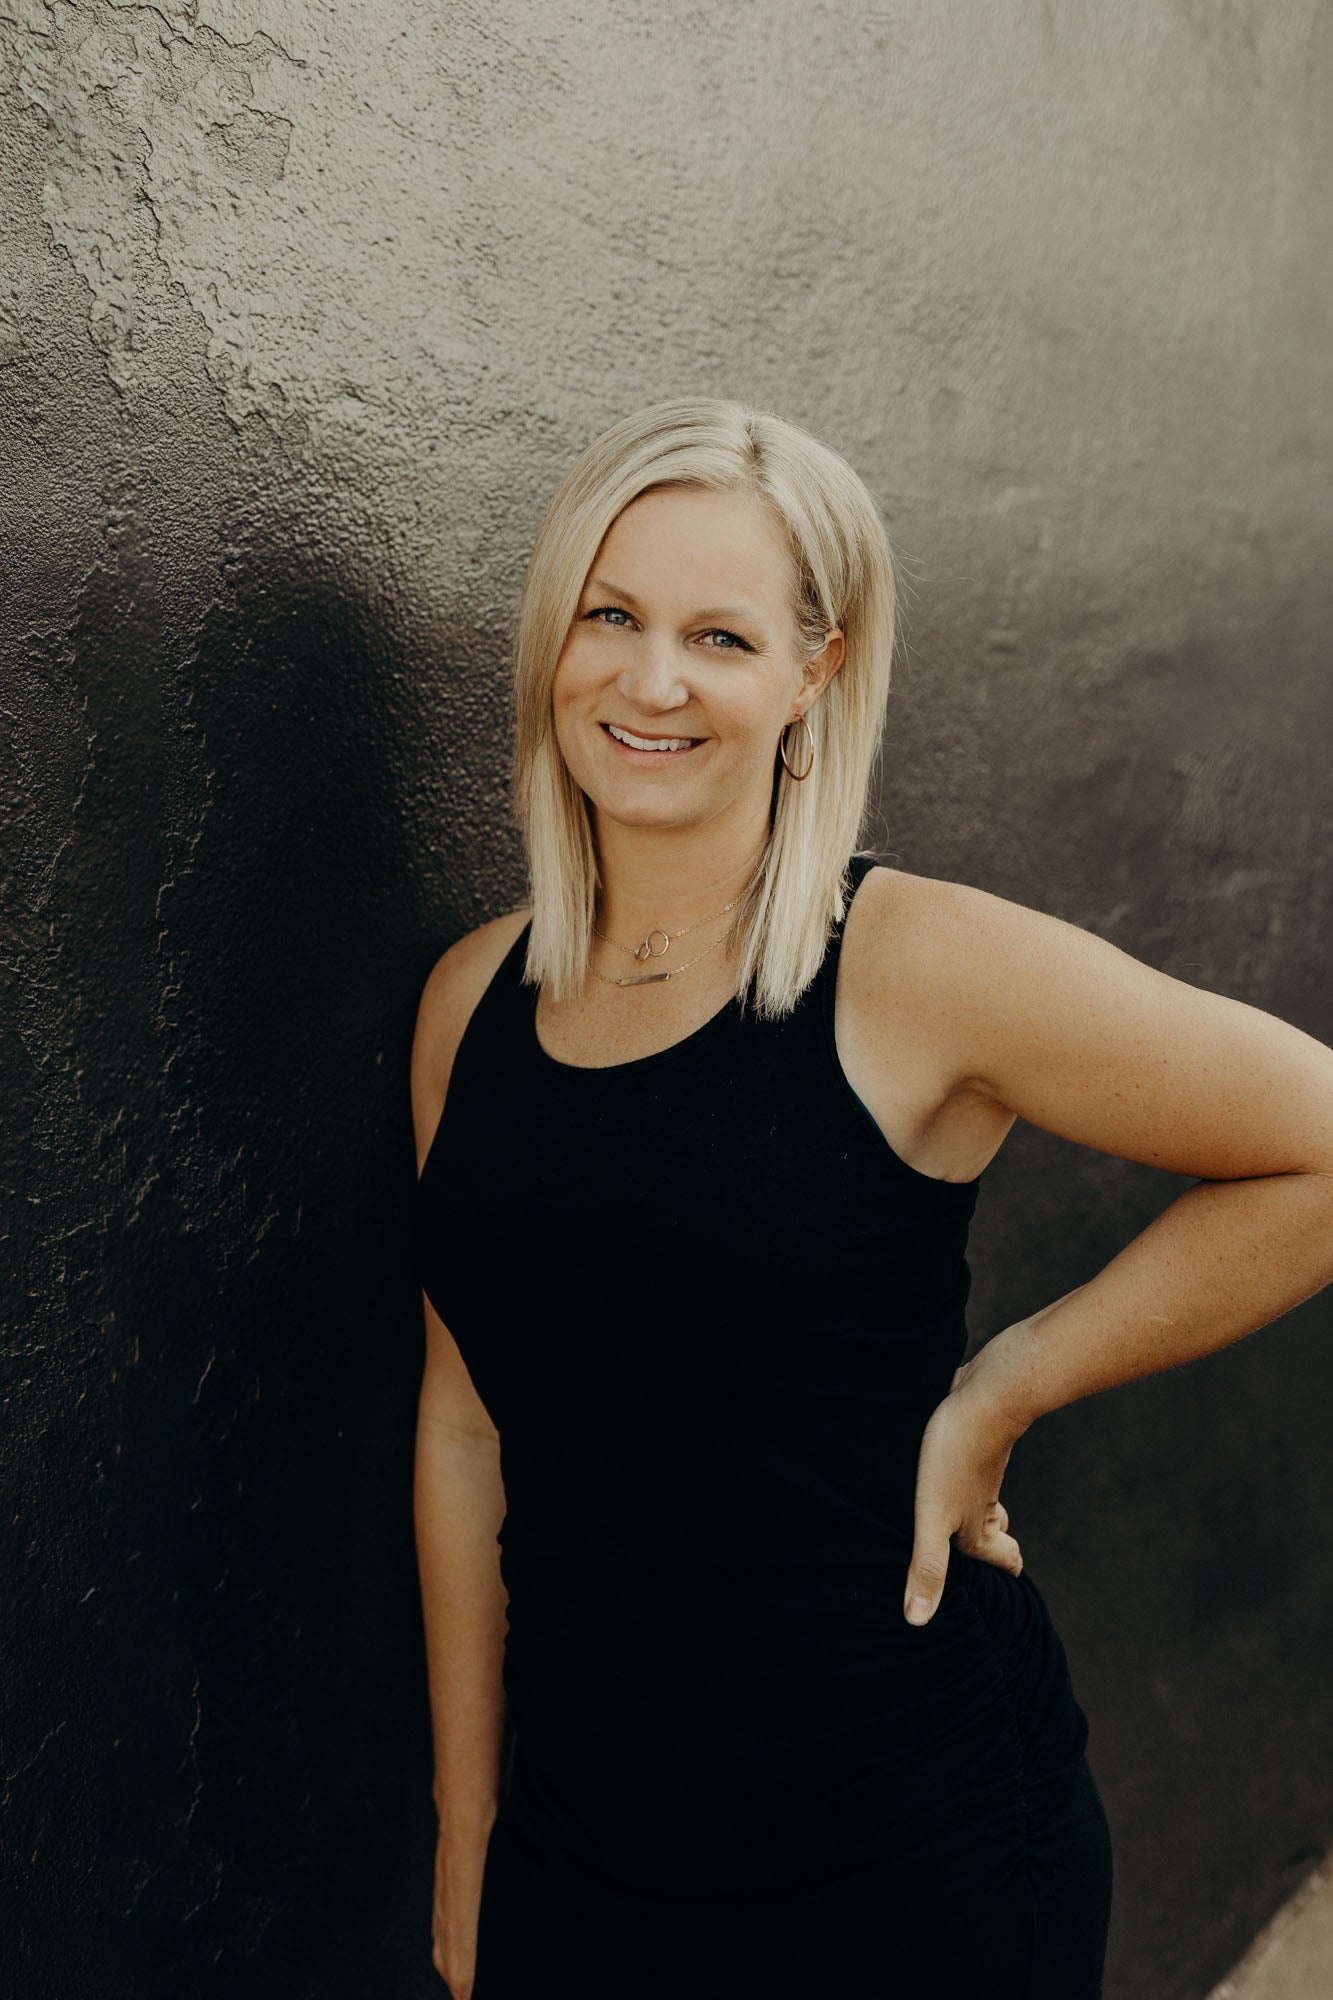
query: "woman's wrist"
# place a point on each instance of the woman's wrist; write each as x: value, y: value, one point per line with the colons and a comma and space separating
x: 1013, y: 1373
x: 1002, y: 1382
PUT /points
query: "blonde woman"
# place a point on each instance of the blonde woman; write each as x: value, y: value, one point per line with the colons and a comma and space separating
x: 706, y: 1502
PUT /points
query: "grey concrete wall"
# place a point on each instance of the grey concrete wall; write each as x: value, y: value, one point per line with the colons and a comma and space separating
x: 304, y: 308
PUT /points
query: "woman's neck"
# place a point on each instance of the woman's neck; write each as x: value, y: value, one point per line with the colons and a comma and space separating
x: 671, y: 877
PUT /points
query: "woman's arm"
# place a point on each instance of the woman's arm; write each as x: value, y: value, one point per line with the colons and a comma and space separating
x: 1074, y: 1035
x: 458, y: 1508
x: 459, y: 1504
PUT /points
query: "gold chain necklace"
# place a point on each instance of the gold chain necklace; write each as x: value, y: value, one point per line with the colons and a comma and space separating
x: 654, y: 978
x: 647, y: 949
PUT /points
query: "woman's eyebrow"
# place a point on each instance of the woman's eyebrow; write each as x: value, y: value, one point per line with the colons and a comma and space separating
x: 741, y: 611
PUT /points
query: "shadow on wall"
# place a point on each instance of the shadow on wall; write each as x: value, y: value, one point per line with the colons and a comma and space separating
x: 222, y: 1730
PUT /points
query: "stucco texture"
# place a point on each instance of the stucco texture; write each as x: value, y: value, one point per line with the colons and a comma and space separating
x: 304, y: 309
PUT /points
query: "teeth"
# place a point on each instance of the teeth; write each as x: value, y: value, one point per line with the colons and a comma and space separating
x: 642, y: 742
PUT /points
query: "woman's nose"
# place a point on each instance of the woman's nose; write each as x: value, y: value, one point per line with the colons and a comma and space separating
x: 652, y: 676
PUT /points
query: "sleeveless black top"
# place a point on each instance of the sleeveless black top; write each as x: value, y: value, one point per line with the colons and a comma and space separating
x: 709, y: 1310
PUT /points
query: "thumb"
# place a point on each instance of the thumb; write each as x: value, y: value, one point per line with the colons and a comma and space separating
x: 926, y: 1572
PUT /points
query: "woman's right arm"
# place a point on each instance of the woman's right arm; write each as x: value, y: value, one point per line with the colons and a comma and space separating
x: 458, y: 1506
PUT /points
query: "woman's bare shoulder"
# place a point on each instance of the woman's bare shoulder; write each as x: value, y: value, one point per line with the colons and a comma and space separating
x: 1074, y: 1034
x: 929, y: 924
x: 453, y: 987
x: 931, y: 960
x: 925, y: 922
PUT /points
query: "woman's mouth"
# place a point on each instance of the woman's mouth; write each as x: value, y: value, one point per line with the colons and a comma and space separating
x: 630, y: 743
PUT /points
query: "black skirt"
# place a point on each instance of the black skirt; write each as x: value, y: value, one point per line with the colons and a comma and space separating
x: 981, y: 1865
x: 547, y: 1925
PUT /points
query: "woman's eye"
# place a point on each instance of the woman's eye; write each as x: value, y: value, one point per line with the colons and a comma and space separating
x: 611, y: 615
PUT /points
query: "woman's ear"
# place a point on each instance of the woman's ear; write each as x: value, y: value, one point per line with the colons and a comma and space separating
x: 818, y: 672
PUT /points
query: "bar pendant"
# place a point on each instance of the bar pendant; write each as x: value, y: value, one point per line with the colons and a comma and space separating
x: 645, y: 979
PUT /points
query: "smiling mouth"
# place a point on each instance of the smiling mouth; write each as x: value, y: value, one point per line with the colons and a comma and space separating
x: 653, y: 746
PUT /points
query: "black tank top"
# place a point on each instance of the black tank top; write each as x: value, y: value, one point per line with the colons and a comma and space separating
x: 709, y: 1310
x: 699, y: 1278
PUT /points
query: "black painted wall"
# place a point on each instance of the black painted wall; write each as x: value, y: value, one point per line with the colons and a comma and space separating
x: 304, y: 311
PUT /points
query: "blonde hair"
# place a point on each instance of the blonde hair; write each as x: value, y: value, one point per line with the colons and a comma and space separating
x: 843, y: 577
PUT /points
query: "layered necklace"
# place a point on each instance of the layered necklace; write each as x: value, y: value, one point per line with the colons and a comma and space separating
x: 649, y: 948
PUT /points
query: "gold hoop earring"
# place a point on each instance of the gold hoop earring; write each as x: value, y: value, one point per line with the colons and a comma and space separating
x: 799, y: 776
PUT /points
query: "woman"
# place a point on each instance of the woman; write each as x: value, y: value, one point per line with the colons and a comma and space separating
x: 704, y: 1499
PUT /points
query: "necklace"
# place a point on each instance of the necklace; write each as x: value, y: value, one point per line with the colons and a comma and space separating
x: 647, y: 949
x: 654, y: 978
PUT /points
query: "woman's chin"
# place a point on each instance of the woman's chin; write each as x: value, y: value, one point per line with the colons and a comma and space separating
x: 660, y: 814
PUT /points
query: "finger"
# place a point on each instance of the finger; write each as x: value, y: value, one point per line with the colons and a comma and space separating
x: 1005, y: 1553
x: 992, y: 1546
x: 926, y: 1573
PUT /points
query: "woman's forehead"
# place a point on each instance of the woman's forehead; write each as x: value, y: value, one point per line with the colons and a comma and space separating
x: 683, y: 541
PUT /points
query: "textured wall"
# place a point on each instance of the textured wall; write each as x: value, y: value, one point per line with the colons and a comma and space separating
x: 304, y: 307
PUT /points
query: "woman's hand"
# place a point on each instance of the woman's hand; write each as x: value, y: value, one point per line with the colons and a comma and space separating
x: 964, y: 1451
x: 459, y: 1865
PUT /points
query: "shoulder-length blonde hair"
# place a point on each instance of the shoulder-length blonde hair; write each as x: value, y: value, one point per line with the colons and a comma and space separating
x: 842, y: 574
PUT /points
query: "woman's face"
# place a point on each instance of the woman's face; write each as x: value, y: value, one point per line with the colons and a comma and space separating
x: 684, y: 636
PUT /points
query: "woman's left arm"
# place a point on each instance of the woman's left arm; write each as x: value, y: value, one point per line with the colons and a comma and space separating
x: 1079, y: 1038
